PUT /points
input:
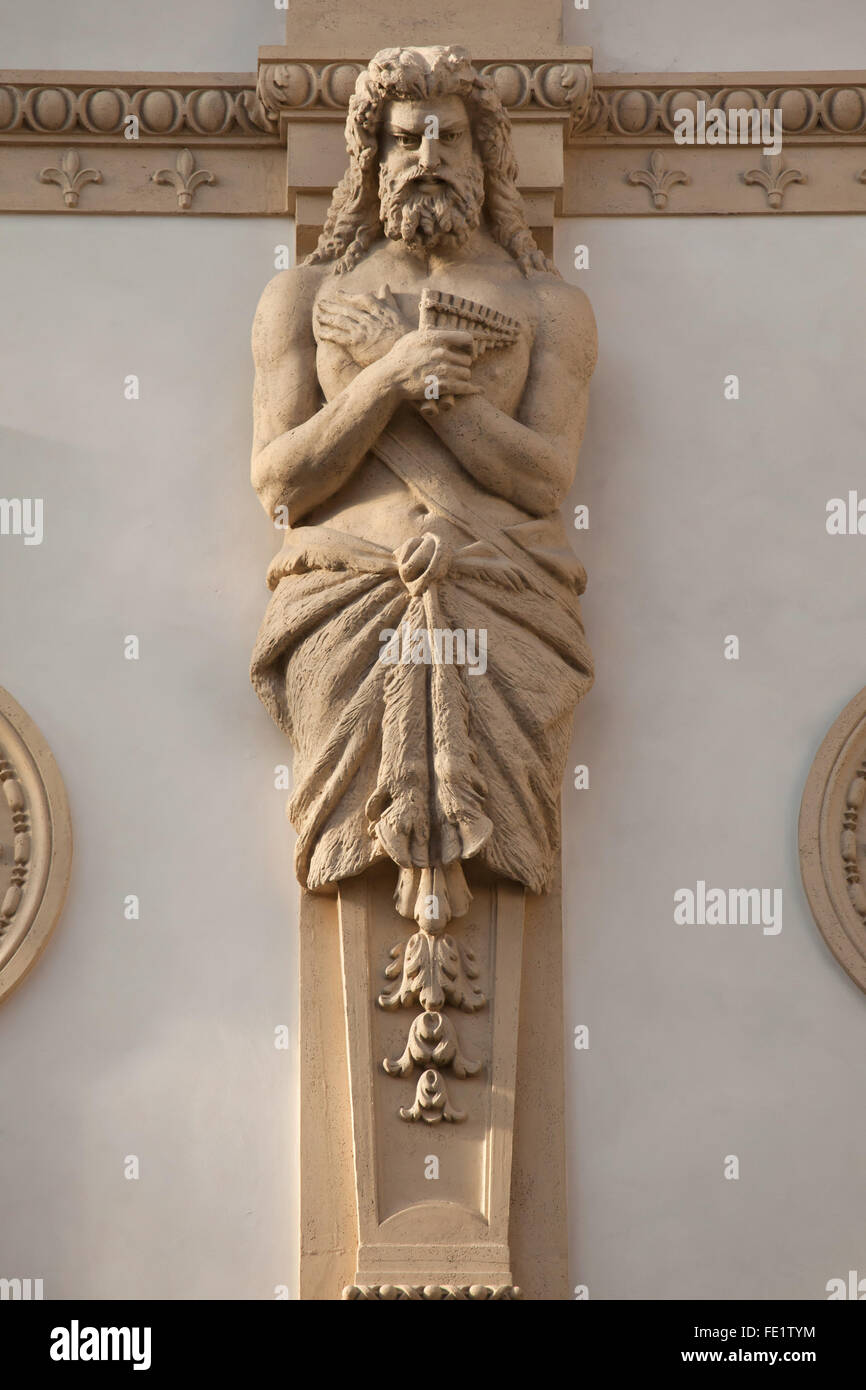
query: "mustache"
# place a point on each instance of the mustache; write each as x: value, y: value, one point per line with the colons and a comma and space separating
x: 465, y: 184
x: 425, y: 217
x: 414, y: 176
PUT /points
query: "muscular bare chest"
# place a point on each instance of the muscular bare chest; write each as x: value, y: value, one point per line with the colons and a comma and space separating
x: 501, y: 371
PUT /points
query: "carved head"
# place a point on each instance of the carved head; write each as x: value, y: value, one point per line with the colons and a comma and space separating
x: 431, y: 178
x: 430, y: 153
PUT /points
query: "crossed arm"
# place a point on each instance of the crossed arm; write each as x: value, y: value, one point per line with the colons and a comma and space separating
x: 304, y: 452
x: 531, y: 459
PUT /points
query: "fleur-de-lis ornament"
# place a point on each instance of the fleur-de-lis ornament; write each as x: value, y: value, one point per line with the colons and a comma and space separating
x: 184, y: 178
x: 70, y: 177
x: 774, y: 178
x: 658, y: 179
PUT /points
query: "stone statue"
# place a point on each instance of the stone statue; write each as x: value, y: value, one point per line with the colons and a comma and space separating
x: 420, y: 399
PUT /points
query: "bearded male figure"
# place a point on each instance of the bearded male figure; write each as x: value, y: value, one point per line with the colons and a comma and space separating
x: 419, y: 476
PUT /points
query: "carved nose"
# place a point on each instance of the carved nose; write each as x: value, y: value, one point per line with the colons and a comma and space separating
x: 429, y: 158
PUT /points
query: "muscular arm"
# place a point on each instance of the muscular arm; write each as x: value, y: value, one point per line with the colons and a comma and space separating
x: 303, y: 451
x: 531, y: 460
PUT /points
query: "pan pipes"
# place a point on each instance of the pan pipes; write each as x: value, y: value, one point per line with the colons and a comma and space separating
x: 489, y: 328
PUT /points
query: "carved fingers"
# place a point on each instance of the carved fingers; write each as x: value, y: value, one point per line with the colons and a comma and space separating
x: 433, y: 363
x: 367, y: 325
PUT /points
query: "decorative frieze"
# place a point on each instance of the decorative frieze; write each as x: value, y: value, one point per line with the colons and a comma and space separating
x: 131, y: 106
x: 815, y: 107
x: 615, y: 107
x: 563, y: 87
x: 584, y: 143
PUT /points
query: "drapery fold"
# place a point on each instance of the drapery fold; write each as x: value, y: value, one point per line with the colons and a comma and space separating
x: 423, y: 762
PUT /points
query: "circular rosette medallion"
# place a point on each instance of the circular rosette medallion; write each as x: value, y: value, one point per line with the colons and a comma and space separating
x: 35, y: 843
x: 833, y: 839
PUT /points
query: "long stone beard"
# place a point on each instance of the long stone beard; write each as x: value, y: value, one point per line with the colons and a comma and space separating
x: 426, y: 220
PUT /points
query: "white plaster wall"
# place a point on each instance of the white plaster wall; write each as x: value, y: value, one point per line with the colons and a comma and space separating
x: 157, y: 36
x: 707, y: 518
x: 719, y: 35
x: 626, y: 35
x: 155, y: 1038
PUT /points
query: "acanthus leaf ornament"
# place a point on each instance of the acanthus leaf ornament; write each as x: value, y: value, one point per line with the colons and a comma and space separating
x: 431, y: 1101
x: 432, y: 1038
x: 658, y: 179
x: 184, y: 178
x: 433, y: 970
x: 70, y: 177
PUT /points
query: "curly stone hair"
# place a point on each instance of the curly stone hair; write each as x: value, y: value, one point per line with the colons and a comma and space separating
x: 415, y: 74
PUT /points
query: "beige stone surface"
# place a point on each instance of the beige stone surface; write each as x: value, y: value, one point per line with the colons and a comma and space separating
x: 274, y: 140
x: 425, y: 514
x: 421, y: 394
x: 451, y: 1229
x: 329, y: 1208
x: 35, y: 843
x: 329, y: 31
x: 832, y: 850
x: 537, y: 1228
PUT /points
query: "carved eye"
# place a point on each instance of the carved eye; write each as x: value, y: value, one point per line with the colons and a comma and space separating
x: 408, y: 142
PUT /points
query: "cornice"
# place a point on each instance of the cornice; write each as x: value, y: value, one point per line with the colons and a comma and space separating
x: 618, y: 108
x: 92, y: 107
x: 610, y: 148
x: 638, y: 108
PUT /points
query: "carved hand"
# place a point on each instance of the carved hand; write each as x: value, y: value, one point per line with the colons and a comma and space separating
x: 367, y: 325
x: 428, y: 354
